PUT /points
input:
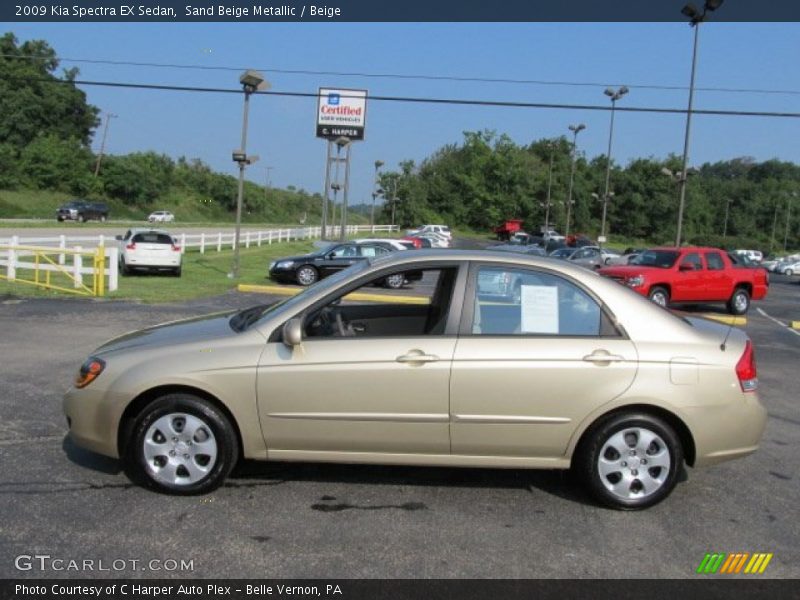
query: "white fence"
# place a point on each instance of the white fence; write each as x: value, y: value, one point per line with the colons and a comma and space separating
x: 206, y: 242
x: 65, y: 254
x: 99, y: 263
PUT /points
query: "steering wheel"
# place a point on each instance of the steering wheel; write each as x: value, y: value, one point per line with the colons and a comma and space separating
x: 345, y: 329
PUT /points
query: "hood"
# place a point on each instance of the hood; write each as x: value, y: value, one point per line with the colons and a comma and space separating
x: 176, y: 332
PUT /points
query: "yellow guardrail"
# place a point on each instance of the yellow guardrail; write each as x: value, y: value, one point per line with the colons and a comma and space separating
x: 43, y: 265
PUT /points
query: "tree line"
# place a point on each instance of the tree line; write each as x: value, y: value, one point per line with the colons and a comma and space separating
x: 488, y: 178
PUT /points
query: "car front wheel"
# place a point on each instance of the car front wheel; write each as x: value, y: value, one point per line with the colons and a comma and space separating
x: 788, y: 272
x: 307, y: 275
x: 181, y: 444
x: 630, y: 461
x: 660, y: 296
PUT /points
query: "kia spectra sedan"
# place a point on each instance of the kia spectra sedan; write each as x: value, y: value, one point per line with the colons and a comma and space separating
x: 498, y: 360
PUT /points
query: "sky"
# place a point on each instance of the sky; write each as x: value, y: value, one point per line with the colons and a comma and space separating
x: 759, y: 56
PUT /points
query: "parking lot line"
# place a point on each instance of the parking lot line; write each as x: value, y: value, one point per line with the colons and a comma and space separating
x: 291, y: 291
x: 791, y: 326
x: 727, y: 319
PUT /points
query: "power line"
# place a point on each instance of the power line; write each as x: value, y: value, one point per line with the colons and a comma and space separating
x: 420, y: 100
x: 407, y: 76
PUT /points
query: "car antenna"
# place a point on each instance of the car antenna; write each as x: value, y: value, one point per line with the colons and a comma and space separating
x: 724, y: 343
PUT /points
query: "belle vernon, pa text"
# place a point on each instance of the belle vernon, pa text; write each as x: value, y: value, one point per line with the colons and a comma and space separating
x: 177, y: 590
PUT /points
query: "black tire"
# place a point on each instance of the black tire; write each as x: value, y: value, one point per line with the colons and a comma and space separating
x: 306, y: 275
x: 81, y: 219
x: 102, y: 218
x: 395, y: 282
x: 788, y: 272
x: 659, y: 295
x: 215, y: 425
x: 599, y: 439
x: 123, y: 268
x: 176, y: 272
x: 739, y: 303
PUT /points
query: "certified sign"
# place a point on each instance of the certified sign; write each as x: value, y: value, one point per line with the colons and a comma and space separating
x: 341, y: 113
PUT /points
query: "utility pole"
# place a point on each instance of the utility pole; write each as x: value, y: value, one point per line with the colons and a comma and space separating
x: 267, y: 181
x: 109, y: 116
x: 552, y: 147
x: 575, y: 129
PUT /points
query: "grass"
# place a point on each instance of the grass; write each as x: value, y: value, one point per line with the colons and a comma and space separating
x: 203, y: 275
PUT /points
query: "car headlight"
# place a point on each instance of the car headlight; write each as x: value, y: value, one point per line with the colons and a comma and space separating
x: 89, y: 371
x: 635, y: 281
x: 285, y: 264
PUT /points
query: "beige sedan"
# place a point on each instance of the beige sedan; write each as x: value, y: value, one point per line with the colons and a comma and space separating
x: 498, y: 360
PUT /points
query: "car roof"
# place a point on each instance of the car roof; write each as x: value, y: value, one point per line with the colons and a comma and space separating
x: 135, y: 230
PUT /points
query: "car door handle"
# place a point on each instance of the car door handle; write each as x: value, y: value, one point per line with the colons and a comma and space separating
x: 417, y: 356
x: 601, y: 356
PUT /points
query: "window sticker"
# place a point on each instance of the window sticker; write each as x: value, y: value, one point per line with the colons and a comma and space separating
x: 539, y: 309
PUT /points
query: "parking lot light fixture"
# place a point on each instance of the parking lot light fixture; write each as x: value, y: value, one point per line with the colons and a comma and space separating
x: 614, y: 95
x: 695, y: 18
x: 575, y: 129
x: 252, y: 81
x: 375, y: 193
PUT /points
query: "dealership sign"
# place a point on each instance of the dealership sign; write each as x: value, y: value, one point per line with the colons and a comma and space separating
x: 341, y: 113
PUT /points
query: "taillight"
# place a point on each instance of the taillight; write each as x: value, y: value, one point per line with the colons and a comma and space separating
x: 131, y: 246
x: 746, y: 369
x: 176, y: 248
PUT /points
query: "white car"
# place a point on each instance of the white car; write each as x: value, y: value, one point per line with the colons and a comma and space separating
x: 396, y: 244
x: 161, y: 216
x: 788, y: 267
x: 437, y: 240
x: 441, y: 229
x: 149, y: 249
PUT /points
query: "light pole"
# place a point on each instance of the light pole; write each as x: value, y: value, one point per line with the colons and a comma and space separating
x: 774, y: 226
x: 788, y: 212
x: 575, y: 129
x: 394, y: 200
x: 266, y: 181
x: 252, y: 81
x: 376, y: 187
x: 725, y: 224
x: 605, y: 199
x: 552, y: 147
x: 695, y: 18
x: 614, y: 95
x: 109, y: 116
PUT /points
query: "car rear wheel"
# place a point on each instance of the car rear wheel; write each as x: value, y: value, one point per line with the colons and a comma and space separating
x: 181, y: 444
x: 630, y: 461
x: 739, y: 303
x: 788, y: 272
x: 123, y: 268
x: 177, y: 272
x: 306, y: 275
x: 395, y: 282
x: 81, y: 219
x: 659, y: 295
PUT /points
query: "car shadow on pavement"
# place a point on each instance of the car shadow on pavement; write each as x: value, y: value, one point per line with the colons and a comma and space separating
x: 556, y: 482
x: 90, y: 460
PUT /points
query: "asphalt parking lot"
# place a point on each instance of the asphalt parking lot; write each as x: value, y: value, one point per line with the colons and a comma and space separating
x: 339, y: 521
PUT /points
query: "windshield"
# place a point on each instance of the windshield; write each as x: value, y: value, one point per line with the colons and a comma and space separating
x: 255, y: 315
x: 663, y: 259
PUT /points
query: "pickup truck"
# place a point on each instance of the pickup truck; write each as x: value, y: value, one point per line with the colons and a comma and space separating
x: 692, y: 275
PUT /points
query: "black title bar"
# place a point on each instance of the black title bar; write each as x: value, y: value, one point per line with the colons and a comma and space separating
x: 376, y: 11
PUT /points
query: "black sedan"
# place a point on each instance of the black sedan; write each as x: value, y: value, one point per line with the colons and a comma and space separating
x: 309, y: 268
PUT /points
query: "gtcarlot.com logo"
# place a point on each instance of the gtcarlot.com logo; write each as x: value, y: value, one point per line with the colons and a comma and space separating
x: 734, y: 563
x: 45, y: 562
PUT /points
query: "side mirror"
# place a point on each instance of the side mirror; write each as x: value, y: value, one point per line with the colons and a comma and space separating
x: 293, y: 332
x: 118, y: 237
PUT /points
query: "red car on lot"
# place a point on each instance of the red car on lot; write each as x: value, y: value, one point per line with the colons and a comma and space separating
x: 691, y: 275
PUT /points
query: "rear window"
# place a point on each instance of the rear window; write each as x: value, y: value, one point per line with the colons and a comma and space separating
x: 152, y: 238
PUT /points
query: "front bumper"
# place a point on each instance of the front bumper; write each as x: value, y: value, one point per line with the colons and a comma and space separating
x: 93, y: 421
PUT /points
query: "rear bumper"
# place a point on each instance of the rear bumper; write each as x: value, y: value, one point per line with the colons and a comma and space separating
x: 727, y: 431
x: 153, y: 263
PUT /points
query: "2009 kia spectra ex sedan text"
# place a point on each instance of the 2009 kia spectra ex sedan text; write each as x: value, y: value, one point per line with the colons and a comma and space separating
x: 498, y: 360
